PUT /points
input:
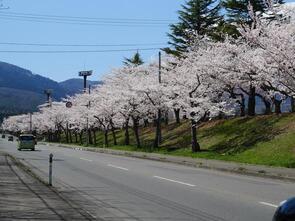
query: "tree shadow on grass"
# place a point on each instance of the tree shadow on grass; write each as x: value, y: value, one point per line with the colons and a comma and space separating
x: 242, y: 134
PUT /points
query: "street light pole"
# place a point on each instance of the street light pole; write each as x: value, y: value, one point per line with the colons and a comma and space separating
x: 85, y: 74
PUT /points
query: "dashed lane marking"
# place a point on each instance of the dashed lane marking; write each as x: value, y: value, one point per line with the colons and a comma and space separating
x: 121, y: 168
x: 174, y: 181
x: 85, y: 159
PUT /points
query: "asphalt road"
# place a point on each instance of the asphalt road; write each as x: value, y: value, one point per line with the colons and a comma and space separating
x: 120, y: 188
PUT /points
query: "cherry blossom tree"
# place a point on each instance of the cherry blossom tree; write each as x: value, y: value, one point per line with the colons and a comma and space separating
x: 199, y: 93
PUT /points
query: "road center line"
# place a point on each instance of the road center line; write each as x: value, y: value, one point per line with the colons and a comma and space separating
x: 174, y: 181
x: 268, y: 204
x: 121, y: 168
x: 86, y: 159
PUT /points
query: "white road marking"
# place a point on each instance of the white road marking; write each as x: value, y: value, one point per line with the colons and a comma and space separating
x: 86, y: 159
x: 174, y: 181
x: 268, y: 204
x: 121, y: 168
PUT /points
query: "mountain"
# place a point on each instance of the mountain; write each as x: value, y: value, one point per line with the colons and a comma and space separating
x: 21, y: 91
x: 75, y: 85
x: 12, y: 76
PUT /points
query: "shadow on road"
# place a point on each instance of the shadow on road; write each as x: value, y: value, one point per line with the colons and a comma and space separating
x: 23, y: 197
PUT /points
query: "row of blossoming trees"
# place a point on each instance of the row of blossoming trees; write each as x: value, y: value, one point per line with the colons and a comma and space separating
x: 212, y: 79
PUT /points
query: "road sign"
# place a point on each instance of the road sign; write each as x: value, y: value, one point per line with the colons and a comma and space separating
x: 69, y: 104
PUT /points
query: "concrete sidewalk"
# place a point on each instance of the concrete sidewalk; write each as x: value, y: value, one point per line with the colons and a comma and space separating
x: 22, y: 197
x: 247, y: 169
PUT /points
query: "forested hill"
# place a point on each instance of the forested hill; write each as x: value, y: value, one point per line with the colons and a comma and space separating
x: 21, y: 91
x: 72, y: 86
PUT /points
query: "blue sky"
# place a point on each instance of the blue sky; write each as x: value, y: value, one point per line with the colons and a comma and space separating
x: 64, y: 66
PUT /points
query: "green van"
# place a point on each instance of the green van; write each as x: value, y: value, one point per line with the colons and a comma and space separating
x: 26, y: 141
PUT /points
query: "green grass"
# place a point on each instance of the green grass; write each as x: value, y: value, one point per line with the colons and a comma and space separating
x: 264, y: 140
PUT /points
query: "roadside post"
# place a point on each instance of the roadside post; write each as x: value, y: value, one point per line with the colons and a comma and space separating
x: 50, y: 169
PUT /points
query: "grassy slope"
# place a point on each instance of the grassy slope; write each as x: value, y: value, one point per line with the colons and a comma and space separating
x: 266, y: 140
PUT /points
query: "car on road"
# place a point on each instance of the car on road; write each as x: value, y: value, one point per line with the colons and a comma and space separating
x: 26, y: 141
x: 10, y: 138
x: 286, y: 211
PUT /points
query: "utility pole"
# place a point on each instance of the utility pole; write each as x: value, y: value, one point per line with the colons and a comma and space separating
x: 30, y: 122
x: 160, y: 67
x: 158, y: 138
x: 159, y: 111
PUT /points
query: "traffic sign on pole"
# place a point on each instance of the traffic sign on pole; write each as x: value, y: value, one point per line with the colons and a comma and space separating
x: 69, y: 104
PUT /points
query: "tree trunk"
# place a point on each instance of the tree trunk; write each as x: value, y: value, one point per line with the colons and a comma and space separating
x: 114, y: 135
x: 267, y: 107
x: 292, y: 104
x: 267, y: 103
x: 195, y: 144
x: 277, y: 104
x: 89, y: 136
x: 158, y: 135
x: 70, y: 136
x: 67, y: 133
x: 76, y: 137
x: 106, y: 140
x: 94, y: 136
x: 177, y: 117
x: 81, y: 137
x: 243, y: 106
x: 166, y: 118
x: 136, y: 134
x: 58, y: 135
x: 127, y: 138
x: 146, y: 122
x: 49, y: 136
x: 251, y: 101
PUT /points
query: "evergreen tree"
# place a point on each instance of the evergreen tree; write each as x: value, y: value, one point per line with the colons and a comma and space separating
x: 136, y: 60
x: 197, y: 16
x: 237, y: 10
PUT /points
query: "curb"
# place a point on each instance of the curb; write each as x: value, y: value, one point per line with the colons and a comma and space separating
x: 280, y: 173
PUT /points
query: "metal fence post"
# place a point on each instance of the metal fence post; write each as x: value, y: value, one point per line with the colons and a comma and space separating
x: 50, y: 169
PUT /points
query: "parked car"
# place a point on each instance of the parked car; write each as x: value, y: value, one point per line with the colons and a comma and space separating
x: 10, y: 138
x: 26, y: 141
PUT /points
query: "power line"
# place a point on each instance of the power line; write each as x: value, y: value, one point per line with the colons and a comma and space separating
x: 83, y: 20
x: 79, y: 45
x: 77, y: 51
x: 80, y: 23
x: 90, y: 18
